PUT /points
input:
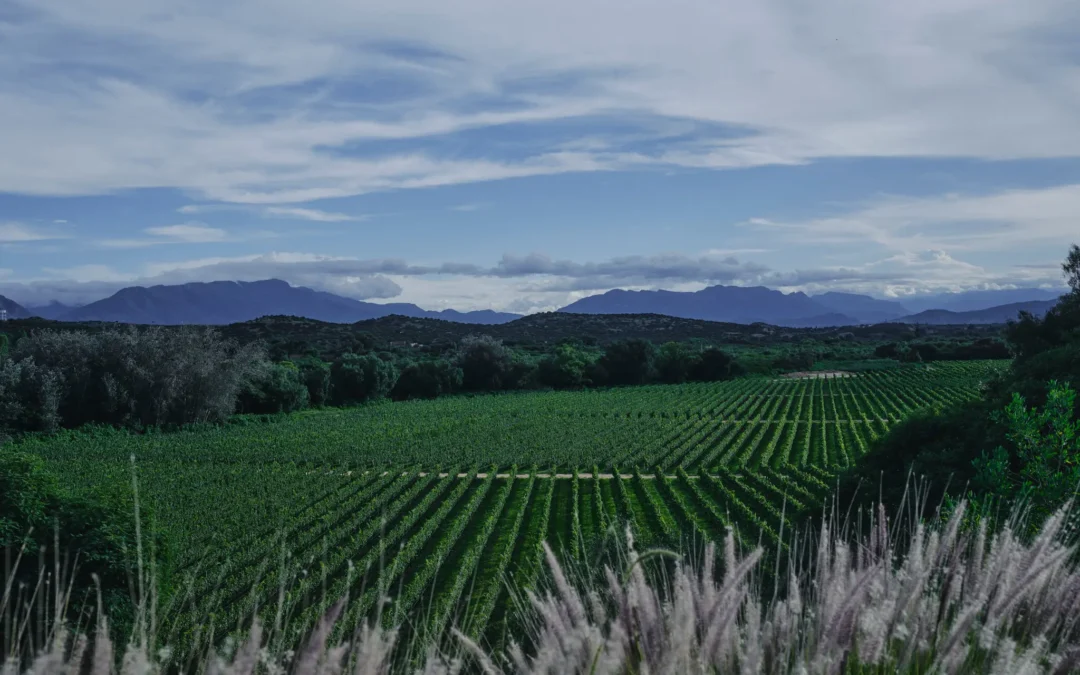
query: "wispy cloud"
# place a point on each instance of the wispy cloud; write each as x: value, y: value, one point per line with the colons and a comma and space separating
x: 185, y: 233
x: 14, y: 232
x: 309, y: 214
x: 258, y: 103
x: 1000, y: 221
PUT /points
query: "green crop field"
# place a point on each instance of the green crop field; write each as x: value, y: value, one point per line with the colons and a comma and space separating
x: 436, y: 503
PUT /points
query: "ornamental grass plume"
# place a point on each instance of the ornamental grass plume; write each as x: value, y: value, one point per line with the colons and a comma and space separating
x: 958, y: 600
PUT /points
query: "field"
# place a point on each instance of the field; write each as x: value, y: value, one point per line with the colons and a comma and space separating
x: 436, y: 503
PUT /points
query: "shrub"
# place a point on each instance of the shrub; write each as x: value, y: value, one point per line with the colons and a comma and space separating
x: 96, y: 536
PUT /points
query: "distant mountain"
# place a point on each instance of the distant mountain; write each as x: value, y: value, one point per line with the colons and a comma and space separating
x: 14, y: 309
x: 1000, y: 314
x: 971, y: 301
x: 54, y: 310
x: 732, y: 304
x: 225, y: 302
x: 862, y: 307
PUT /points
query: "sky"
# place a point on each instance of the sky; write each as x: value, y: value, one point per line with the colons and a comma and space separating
x: 520, y: 155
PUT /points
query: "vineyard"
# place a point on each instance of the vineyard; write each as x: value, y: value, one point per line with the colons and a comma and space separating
x: 437, y: 503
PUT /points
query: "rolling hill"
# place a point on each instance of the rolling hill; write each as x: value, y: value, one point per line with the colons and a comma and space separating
x: 991, y: 315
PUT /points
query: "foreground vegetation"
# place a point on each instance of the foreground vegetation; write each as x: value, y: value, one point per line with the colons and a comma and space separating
x: 955, y: 601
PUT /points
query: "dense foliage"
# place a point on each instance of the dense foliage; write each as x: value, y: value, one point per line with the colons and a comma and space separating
x: 89, y: 537
x: 994, y: 446
x: 125, y: 377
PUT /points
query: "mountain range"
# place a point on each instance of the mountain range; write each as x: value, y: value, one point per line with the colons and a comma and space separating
x: 226, y: 302
x: 999, y: 314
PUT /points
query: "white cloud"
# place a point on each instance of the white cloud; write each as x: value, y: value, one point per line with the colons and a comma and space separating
x: 530, y: 283
x: 194, y: 96
x: 189, y: 233
x: 17, y: 233
x: 185, y: 233
x: 1003, y: 221
x: 309, y: 214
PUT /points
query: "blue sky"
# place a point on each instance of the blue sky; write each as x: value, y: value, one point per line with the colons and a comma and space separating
x: 521, y: 155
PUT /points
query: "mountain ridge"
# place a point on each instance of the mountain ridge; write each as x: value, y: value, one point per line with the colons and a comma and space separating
x: 226, y: 302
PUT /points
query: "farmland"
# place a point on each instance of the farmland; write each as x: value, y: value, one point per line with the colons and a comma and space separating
x: 436, y: 503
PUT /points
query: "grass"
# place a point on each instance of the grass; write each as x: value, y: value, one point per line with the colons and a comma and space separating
x: 956, y: 600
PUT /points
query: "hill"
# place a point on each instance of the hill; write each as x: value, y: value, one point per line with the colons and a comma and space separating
x: 14, y: 309
x: 862, y: 307
x: 226, y: 302
x: 973, y: 301
x: 992, y: 315
x: 727, y: 304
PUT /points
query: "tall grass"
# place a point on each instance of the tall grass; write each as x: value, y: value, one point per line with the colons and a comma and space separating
x: 956, y: 600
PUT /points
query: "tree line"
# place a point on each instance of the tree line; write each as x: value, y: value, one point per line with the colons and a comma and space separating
x: 143, y: 378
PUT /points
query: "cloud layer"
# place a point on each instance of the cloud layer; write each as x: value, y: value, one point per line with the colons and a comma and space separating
x: 274, y: 102
x: 529, y: 283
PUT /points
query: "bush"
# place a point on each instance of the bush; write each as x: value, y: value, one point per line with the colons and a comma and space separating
x: 427, y: 379
x: 356, y: 379
x: 274, y: 388
x: 98, y: 534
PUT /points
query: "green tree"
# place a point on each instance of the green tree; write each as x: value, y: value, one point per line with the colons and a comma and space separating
x: 486, y: 363
x: 565, y: 369
x: 315, y: 373
x: 629, y: 362
x: 674, y: 362
x: 1071, y: 268
x: 427, y: 379
x: 1043, y: 464
x: 274, y: 388
x: 356, y: 379
x: 713, y: 365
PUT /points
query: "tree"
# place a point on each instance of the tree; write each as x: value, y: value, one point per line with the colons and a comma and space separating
x: 356, y: 379
x: 629, y: 362
x: 315, y: 374
x: 138, y: 377
x: 674, y: 362
x: 1071, y: 268
x: 274, y: 388
x: 565, y: 369
x: 427, y: 379
x: 714, y: 365
x: 485, y: 363
x: 1043, y: 466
